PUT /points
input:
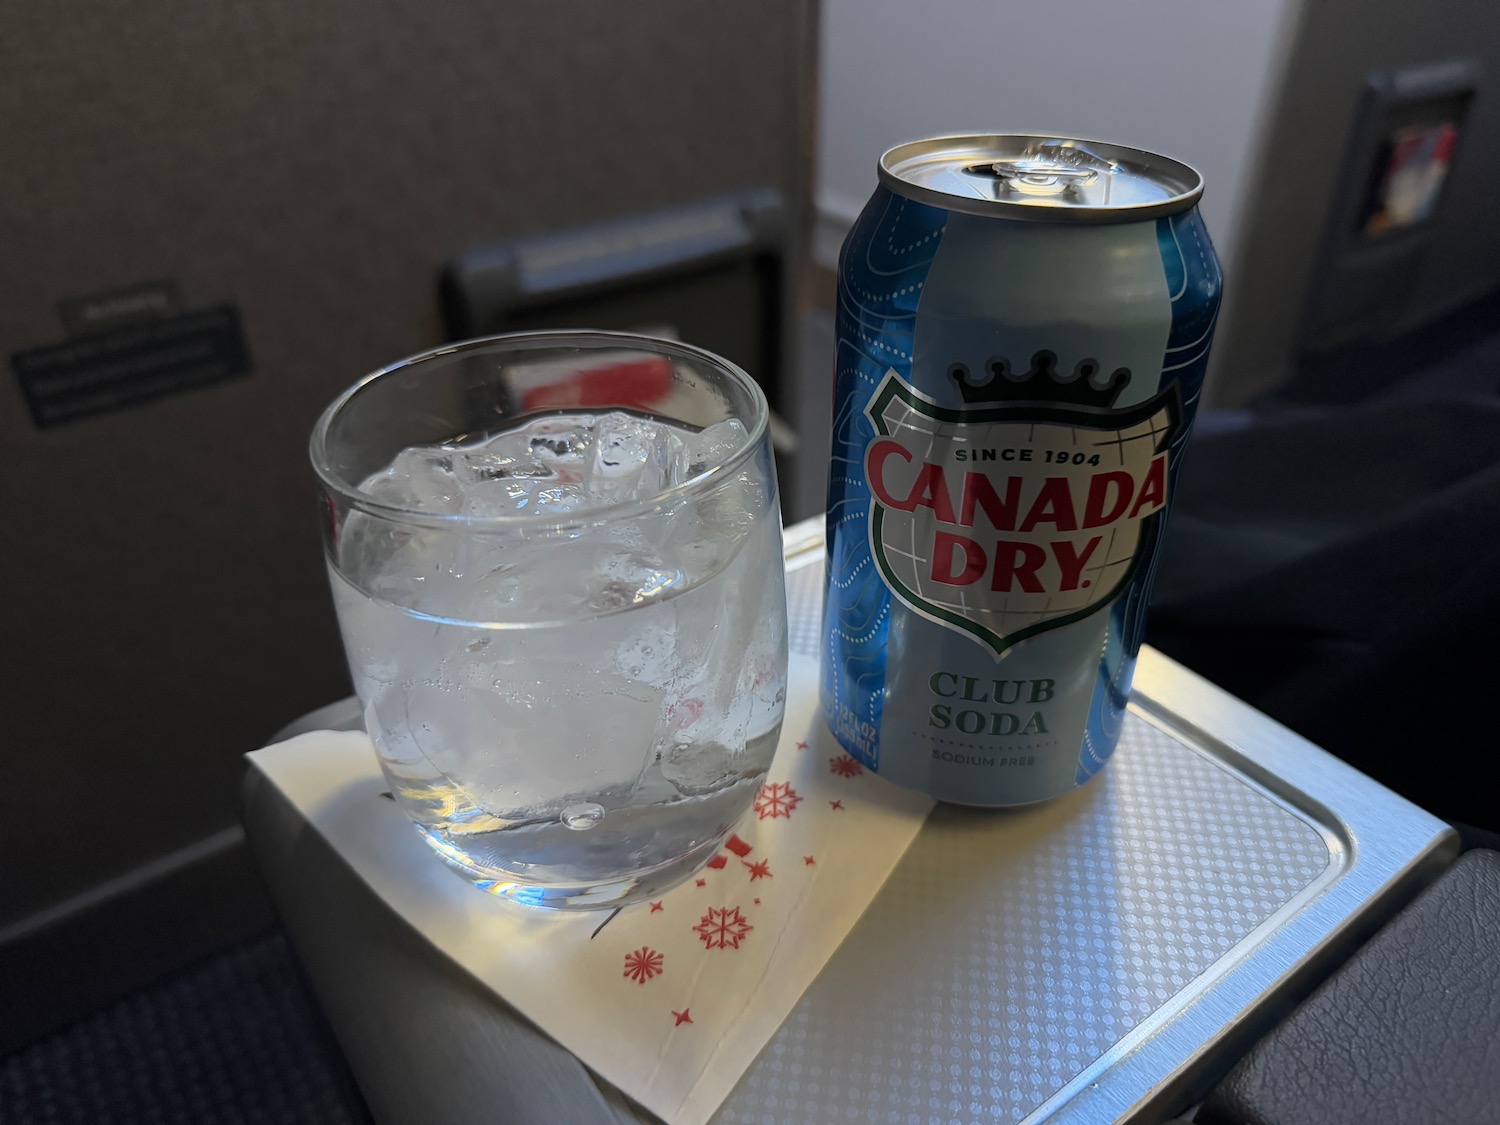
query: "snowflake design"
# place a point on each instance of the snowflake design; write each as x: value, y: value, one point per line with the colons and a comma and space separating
x: 723, y: 929
x: 643, y: 964
x: 845, y: 766
x: 761, y: 870
x: 776, y: 799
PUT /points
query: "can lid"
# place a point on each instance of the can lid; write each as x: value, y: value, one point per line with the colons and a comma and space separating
x: 1044, y: 179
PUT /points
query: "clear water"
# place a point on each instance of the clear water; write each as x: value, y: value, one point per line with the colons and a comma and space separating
x: 570, y: 710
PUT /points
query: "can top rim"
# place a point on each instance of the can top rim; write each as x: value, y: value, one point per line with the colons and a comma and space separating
x: 1038, y: 177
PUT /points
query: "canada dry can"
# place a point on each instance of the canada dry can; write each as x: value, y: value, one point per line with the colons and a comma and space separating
x: 1023, y: 327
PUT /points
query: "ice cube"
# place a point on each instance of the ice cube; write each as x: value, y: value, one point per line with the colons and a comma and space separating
x: 710, y: 529
x: 554, y: 580
x: 519, y: 494
x: 623, y: 577
x: 543, y: 735
x: 648, y: 653
x: 397, y: 562
x: 535, y: 467
x: 711, y: 446
x: 631, y: 458
x: 480, y: 468
x: 698, y: 768
x: 421, y: 477
x: 562, y: 443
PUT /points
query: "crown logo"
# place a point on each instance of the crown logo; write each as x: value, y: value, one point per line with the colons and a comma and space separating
x: 1086, y: 386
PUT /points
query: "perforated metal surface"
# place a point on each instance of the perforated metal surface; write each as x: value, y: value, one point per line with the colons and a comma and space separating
x: 804, y: 608
x: 986, y: 991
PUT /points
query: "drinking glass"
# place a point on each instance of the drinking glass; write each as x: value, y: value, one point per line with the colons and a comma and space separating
x: 556, y: 561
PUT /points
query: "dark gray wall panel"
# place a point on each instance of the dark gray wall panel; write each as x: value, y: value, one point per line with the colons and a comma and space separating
x: 314, y: 163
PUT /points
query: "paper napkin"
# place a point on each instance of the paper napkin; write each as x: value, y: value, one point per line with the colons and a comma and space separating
x: 669, y: 1000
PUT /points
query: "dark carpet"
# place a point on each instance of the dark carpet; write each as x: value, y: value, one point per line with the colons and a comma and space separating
x: 235, y: 1040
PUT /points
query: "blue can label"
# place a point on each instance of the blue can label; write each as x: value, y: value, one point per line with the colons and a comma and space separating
x: 1010, y: 407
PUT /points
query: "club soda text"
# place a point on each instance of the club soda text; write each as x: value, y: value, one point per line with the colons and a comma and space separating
x: 1007, y: 693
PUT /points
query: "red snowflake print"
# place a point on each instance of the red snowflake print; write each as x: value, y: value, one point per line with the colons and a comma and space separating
x: 723, y: 929
x: 643, y: 964
x: 835, y: 804
x: 703, y: 882
x: 801, y: 746
x: 845, y: 766
x: 761, y: 870
x: 776, y: 799
x: 682, y: 1017
x: 655, y: 906
x: 756, y: 901
x: 808, y: 861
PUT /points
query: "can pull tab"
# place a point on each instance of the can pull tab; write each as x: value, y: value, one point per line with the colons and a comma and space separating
x: 1047, y: 169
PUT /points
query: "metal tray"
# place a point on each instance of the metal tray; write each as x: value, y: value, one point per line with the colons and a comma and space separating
x: 1100, y: 957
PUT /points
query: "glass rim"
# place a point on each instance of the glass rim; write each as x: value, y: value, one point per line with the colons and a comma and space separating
x: 515, y: 341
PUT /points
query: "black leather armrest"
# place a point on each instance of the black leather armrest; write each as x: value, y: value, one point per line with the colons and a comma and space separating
x: 1407, y: 1030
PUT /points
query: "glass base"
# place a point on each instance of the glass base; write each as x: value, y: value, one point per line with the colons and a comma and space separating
x: 595, y: 895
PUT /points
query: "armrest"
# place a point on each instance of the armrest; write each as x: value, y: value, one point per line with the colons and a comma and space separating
x: 1408, y: 1029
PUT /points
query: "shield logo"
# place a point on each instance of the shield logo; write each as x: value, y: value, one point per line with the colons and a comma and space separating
x: 1004, y: 521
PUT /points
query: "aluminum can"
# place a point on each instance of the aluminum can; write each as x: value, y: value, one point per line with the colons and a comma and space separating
x: 1023, y: 327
